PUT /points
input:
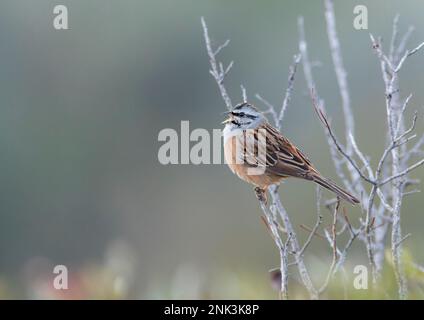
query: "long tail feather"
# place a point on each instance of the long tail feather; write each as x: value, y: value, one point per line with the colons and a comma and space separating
x: 330, y: 185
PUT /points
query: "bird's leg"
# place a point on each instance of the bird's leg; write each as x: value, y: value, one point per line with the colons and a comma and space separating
x: 261, y: 195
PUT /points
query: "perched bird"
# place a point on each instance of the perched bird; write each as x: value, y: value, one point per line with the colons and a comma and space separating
x: 250, y: 142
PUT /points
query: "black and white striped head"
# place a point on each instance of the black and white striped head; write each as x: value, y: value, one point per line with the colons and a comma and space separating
x: 244, y: 116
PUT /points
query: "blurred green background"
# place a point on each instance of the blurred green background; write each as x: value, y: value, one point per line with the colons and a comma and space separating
x: 81, y: 110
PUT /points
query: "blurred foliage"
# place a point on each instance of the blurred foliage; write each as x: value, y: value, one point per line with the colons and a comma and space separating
x: 105, y: 281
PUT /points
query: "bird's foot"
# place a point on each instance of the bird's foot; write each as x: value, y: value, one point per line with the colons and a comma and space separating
x: 261, y: 195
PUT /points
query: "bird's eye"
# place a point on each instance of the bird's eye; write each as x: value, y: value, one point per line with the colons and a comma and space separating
x: 241, y: 114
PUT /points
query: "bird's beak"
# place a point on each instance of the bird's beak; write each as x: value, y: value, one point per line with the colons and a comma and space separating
x: 229, y: 119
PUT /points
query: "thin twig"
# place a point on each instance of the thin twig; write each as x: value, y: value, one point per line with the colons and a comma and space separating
x: 243, y: 93
x: 334, y: 248
x: 341, y: 149
x: 219, y: 75
x: 287, y: 97
x: 401, y: 174
x: 311, y: 235
x: 341, y: 73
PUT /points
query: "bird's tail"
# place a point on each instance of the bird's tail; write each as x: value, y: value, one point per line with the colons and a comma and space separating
x: 330, y: 185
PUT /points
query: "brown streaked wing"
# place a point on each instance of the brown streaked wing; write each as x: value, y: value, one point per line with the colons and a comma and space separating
x: 290, y: 160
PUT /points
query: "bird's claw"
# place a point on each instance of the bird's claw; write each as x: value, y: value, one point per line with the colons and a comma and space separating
x: 261, y: 195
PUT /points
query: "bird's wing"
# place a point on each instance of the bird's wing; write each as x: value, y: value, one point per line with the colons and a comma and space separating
x: 284, y: 158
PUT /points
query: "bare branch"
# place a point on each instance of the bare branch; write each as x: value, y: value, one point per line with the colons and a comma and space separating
x: 403, y: 239
x: 270, y: 107
x: 306, y: 228
x: 341, y: 149
x: 272, y: 225
x: 361, y: 157
x: 407, y: 54
x: 304, y: 274
x: 278, y: 117
x: 307, y: 69
x: 408, y: 131
x: 222, y: 46
x: 401, y: 174
x: 377, y: 47
x: 333, y: 230
x: 292, y: 72
x: 219, y: 75
x: 394, y: 169
x: 341, y: 74
x: 416, y: 149
x: 370, y: 173
x: 333, y: 242
x: 303, y: 48
x: 405, y: 104
x: 403, y: 42
x: 343, y: 255
x: 394, y: 37
x: 243, y: 93
x: 316, y: 226
x: 398, y: 136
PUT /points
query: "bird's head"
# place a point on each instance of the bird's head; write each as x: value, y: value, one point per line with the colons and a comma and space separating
x: 244, y: 116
